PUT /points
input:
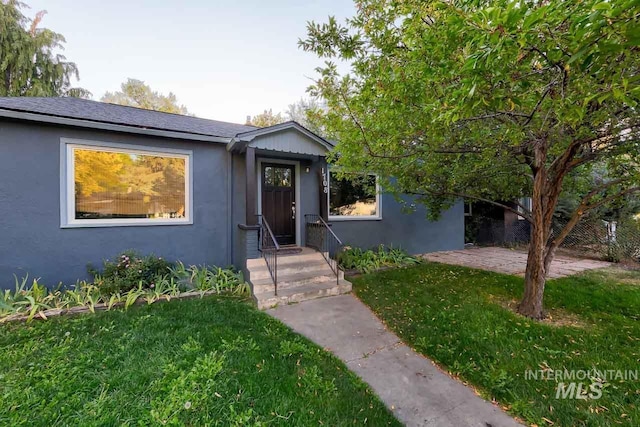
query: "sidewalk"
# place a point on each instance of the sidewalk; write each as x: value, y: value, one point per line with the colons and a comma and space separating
x: 418, y: 392
x: 511, y: 261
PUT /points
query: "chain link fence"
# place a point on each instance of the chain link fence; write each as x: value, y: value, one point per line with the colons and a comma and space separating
x: 614, y: 241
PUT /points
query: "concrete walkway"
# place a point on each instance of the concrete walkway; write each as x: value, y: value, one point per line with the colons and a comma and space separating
x: 418, y: 392
x: 511, y: 261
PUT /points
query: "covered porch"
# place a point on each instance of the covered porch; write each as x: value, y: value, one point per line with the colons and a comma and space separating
x: 282, y: 172
x: 283, y: 242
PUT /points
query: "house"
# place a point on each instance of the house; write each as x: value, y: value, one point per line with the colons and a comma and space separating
x: 81, y: 181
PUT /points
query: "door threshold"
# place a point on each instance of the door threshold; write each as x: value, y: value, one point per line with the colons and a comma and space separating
x: 289, y: 250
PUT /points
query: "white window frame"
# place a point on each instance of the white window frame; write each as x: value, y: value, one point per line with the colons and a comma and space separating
x: 527, y: 202
x: 376, y: 217
x: 67, y: 183
x: 469, y: 211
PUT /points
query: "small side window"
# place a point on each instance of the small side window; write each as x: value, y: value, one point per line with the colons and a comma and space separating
x: 354, y: 196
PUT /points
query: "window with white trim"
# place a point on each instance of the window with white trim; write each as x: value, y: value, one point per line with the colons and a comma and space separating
x: 353, y: 196
x: 468, y: 209
x: 525, y: 202
x: 116, y: 185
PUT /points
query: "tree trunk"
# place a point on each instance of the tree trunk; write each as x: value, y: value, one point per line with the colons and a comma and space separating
x: 542, y: 200
x: 534, y: 279
x: 547, y: 186
x: 548, y: 259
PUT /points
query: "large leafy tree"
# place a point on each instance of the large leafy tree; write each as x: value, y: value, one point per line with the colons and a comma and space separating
x: 135, y: 93
x: 30, y: 62
x: 265, y: 119
x: 491, y: 100
x: 305, y: 112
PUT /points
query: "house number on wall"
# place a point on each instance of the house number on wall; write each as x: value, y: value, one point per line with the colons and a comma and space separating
x: 325, y: 181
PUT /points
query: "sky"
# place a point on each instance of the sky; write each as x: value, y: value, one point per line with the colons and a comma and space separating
x: 223, y: 59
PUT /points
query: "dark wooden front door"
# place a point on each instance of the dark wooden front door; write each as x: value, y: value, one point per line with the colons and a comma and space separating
x: 279, y: 201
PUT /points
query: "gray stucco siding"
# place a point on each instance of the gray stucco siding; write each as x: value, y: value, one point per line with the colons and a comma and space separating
x: 310, y: 194
x: 32, y: 240
x: 239, y: 236
x: 412, y: 231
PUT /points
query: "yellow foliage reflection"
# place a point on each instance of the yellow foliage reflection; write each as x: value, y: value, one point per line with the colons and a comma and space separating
x: 121, y: 185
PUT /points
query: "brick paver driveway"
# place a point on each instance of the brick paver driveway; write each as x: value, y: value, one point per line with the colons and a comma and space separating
x: 511, y: 261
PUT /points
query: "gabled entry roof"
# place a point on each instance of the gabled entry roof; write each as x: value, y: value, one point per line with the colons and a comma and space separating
x: 288, y: 137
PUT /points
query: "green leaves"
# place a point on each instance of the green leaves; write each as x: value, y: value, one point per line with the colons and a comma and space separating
x: 27, y: 65
x: 35, y: 299
x: 135, y: 93
x: 452, y: 97
x: 368, y: 261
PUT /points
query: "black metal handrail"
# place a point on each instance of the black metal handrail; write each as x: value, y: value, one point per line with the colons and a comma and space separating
x: 319, y: 236
x: 268, y: 246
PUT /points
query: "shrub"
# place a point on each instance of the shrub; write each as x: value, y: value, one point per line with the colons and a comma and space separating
x: 626, y: 246
x: 204, y: 278
x: 127, y: 271
x: 125, y: 280
x: 26, y: 299
x: 367, y: 261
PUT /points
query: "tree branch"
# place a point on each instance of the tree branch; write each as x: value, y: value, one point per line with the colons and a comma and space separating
x: 495, y: 115
x: 526, y: 215
x: 364, y: 134
x: 540, y: 101
x: 612, y: 198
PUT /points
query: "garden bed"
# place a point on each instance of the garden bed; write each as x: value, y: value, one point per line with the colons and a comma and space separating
x: 54, y: 312
x: 126, y: 280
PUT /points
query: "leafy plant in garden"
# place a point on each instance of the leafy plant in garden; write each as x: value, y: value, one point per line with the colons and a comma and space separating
x: 367, y: 261
x: 203, y: 278
x: 491, y: 100
x: 25, y: 299
x: 127, y: 270
x: 112, y: 287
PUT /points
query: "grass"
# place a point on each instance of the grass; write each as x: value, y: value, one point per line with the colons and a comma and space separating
x: 459, y: 317
x: 210, y: 361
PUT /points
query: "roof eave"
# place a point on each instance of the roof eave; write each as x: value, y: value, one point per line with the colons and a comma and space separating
x: 66, y: 121
x: 251, y: 135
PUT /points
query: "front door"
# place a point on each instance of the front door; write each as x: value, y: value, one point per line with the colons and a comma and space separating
x: 279, y: 201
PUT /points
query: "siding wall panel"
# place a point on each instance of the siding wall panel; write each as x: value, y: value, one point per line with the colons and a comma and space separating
x: 32, y: 241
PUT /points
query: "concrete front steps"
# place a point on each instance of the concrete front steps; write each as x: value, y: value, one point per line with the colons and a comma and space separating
x: 301, y: 277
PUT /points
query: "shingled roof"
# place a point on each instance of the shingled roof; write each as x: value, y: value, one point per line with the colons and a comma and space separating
x: 100, y: 112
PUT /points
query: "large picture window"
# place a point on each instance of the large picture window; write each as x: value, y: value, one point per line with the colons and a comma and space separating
x: 353, y: 197
x: 116, y: 185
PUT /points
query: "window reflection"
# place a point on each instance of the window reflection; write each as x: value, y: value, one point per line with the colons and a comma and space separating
x: 112, y: 184
x: 278, y: 176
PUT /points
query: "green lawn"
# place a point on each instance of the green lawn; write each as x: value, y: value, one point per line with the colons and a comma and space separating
x: 211, y: 361
x: 460, y: 318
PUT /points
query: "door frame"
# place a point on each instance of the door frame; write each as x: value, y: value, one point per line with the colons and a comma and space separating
x: 296, y: 168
